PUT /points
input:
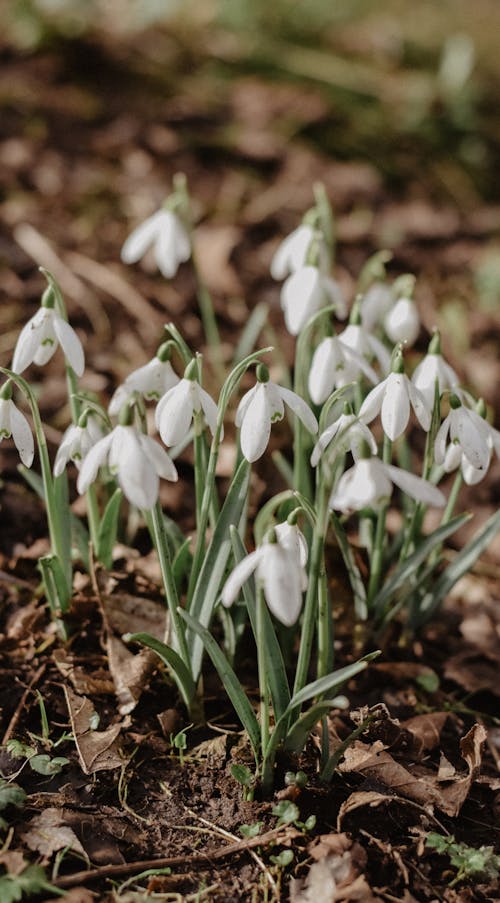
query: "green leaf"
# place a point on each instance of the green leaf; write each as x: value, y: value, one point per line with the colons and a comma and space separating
x: 251, y: 830
x: 56, y: 587
x: 410, y: 565
x: 229, y: 680
x: 79, y: 534
x: 242, y: 774
x: 331, y: 682
x: 43, y: 764
x: 286, y: 811
x: 170, y: 658
x: 30, y: 881
x: 283, y: 859
x: 108, y: 529
x: 19, y: 750
x: 355, y: 578
x: 277, y: 679
x: 461, y: 564
x: 214, y: 564
x: 298, y: 734
x: 182, y: 563
x: 11, y: 795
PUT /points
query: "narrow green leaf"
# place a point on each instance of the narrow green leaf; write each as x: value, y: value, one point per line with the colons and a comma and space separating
x: 215, y: 562
x: 170, y: 658
x: 229, y: 680
x: 181, y: 563
x: 461, y: 564
x: 108, y: 529
x: 277, y: 679
x: 410, y: 565
x: 355, y: 578
x: 55, y: 583
x: 298, y: 734
x: 331, y: 682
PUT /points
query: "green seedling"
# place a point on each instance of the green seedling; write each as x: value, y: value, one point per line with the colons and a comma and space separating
x: 470, y: 863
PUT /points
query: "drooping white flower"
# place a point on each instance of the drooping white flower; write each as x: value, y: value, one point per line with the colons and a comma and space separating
x: 393, y: 397
x: 305, y: 292
x: 352, y: 435
x: 375, y: 304
x: 471, y: 436
x: 281, y: 575
x: 402, y: 322
x: 292, y: 253
x: 176, y: 408
x: 369, y: 484
x: 165, y: 231
x: 77, y: 442
x: 136, y: 460
x: 291, y: 538
x: 335, y: 364
x: 433, y: 368
x: 152, y: 381
x: 40, y: 337
x: 14, y: 423
x: 263, y: 405
x: 364, y: 344
x: 455, y: 457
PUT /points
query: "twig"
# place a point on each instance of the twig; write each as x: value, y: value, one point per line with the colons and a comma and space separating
x: 276, y: 835
x: 20, y: 706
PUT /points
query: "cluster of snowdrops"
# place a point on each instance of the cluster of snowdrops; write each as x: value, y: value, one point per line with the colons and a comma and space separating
x: 338, y: 482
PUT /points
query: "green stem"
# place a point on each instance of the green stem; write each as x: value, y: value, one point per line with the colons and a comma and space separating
x: 208, y: 320
x: 156, y: 524
x: 262, y: 670
x: 377, y: 558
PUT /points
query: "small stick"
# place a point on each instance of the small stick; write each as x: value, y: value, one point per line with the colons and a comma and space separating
x: 17, y: 714
x: 276, y: 835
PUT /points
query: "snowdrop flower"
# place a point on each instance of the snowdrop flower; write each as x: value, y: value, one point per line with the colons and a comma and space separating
x: 165, y: 231
x: 470, y: 436
x: 279, y: 572
x: 263, y: 405
x: 393, y: 397
x: 152, y: 380
x: 402, y: 322
x: 305, y: 292
x: 291, y: 538
x: 136, y: 459
x: 335, y: 364
x: 352, y: 436
x: 14, y: 423
x: 358, y: 339
x: 375, y: 304
x: 292, y: 253
x: 433, y: 368
x: 369, y: 484
x: 77, y: 442
x: 176, y: 409
x: 42, y: 334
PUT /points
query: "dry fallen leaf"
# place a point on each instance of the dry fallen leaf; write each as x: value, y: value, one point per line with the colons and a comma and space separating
x: 46, y: 834
x: 454, y: 795
x: 97, y: 750
x: 376, y: 763
x: 427, y: 728
x: 336, y: 875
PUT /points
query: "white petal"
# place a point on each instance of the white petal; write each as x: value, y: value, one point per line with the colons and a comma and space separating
x: 322, y: 375
x: 375, y: 304
x: 453, y: 457
x: 182, y: 241
x: 373, y: 402
x: 472, y: 475
x: 282, y: 580
x: 243, y: 405
x: 22, y: 435
x: 209, y: 408
x: 28, y: 342
x: 119, y: 398
x: 440, y: 441
x: 424, y: 378
x: 93, y: 461
x: 161, y: 461
x: 256, y: 425
x: 237, y: 578
x: 416, y: 487
x: 395, y: 406
x: 301, y: 297
x: 423, y: 411
x: 70, y: 344
x: 366, y: 485
x: 64, y: 451
x: 141, y: 238
x: 380, y: 352
x: 300, y: 408
x: 293, y: 540
x: 335, y: 296
x: 471, y: 432
x: 137, y: 478
x: 165, y: 253
x: 402, y: 323
x: 291, y: 253
x: 174, y: 413
x: 323, y: 441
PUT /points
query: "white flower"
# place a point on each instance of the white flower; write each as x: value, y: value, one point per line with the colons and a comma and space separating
x: 431, y: 369
x: 40, y: 337
x: 455, y: 457
x: 279, y: 571
x: 14, y: 423
x: 375, y: 304
x: 163, y: 230
x: 402, y: 322
x: 472, y: 436
x: 152, y: 381
x: 393, y: 396
x: 358, y: 339
x: 369, y: 484
x: 76, y: 444
x: 292, y: 253
x: 335, y: 364
x: 175, y: 410
x: 263, y: 405
x: 305, y: 292
x: 352, y: 435
x: 292, y: 539
x: 136, y: 459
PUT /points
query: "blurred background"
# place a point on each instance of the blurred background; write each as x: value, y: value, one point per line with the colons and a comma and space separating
x: 394, y: 108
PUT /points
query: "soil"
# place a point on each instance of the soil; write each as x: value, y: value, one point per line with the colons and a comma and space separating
x: 91, y: 135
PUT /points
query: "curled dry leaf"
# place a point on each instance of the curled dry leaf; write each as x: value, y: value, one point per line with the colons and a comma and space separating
x: 454, y: 795
x: 336, y: 875
x: 47, y: 834
x: 97, y: 750
x: 375, y: 763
